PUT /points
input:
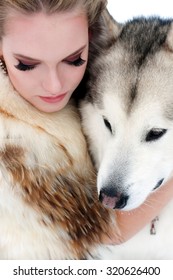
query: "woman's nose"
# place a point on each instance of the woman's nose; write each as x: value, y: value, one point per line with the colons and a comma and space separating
x: 52, y: 83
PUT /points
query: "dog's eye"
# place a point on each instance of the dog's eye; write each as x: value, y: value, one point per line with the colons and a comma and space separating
x: 154, y: 134
x: 107, y: 124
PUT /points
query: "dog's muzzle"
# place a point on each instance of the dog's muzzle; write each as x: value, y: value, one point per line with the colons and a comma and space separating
x: 112, y: 199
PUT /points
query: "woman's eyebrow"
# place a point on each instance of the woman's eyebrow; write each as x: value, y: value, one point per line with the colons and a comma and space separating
x: 20, y: 56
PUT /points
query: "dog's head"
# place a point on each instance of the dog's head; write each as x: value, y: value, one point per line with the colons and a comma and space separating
x: 127, y: 114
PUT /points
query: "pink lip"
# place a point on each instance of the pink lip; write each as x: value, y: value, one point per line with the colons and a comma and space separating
x: 53, y: 99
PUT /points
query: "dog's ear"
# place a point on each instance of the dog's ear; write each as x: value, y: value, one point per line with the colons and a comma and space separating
x: 110, y: 26
x: 104, y: 32
x: 169, y: 39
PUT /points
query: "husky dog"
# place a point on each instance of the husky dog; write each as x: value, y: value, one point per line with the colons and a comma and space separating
x: 127, y: 116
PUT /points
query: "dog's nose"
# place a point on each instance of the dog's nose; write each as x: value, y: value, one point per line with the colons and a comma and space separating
x: 112, y: 199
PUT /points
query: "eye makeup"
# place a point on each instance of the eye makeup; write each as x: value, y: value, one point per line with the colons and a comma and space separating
x: 77, y: 61
x: 24, y: 67
x: 26, y: 63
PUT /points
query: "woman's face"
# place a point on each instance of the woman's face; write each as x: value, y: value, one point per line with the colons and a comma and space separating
x: 46, y: 56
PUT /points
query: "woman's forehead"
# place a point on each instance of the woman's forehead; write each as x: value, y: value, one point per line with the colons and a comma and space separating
x: 59, y: 33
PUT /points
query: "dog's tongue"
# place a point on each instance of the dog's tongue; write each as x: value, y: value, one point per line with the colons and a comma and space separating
x: 109, y: 201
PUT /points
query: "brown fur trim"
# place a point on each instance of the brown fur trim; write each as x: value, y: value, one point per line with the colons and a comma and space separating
x: 67, y: 200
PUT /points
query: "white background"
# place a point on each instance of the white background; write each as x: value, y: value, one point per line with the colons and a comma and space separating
x: 123, y: 10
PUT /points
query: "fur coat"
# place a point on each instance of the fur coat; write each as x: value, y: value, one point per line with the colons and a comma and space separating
x: 49, y: 207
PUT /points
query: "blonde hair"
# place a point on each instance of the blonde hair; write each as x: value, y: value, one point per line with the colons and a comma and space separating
x: 92, y: 8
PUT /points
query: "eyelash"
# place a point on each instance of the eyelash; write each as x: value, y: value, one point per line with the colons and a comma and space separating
x: 77, y: 62
x: 26, y: 67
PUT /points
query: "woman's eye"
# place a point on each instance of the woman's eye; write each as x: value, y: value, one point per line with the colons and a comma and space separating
x: 77, y: 62
x: 24, y: 67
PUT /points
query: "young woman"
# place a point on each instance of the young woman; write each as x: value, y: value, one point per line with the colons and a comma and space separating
x: 44, y: 48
